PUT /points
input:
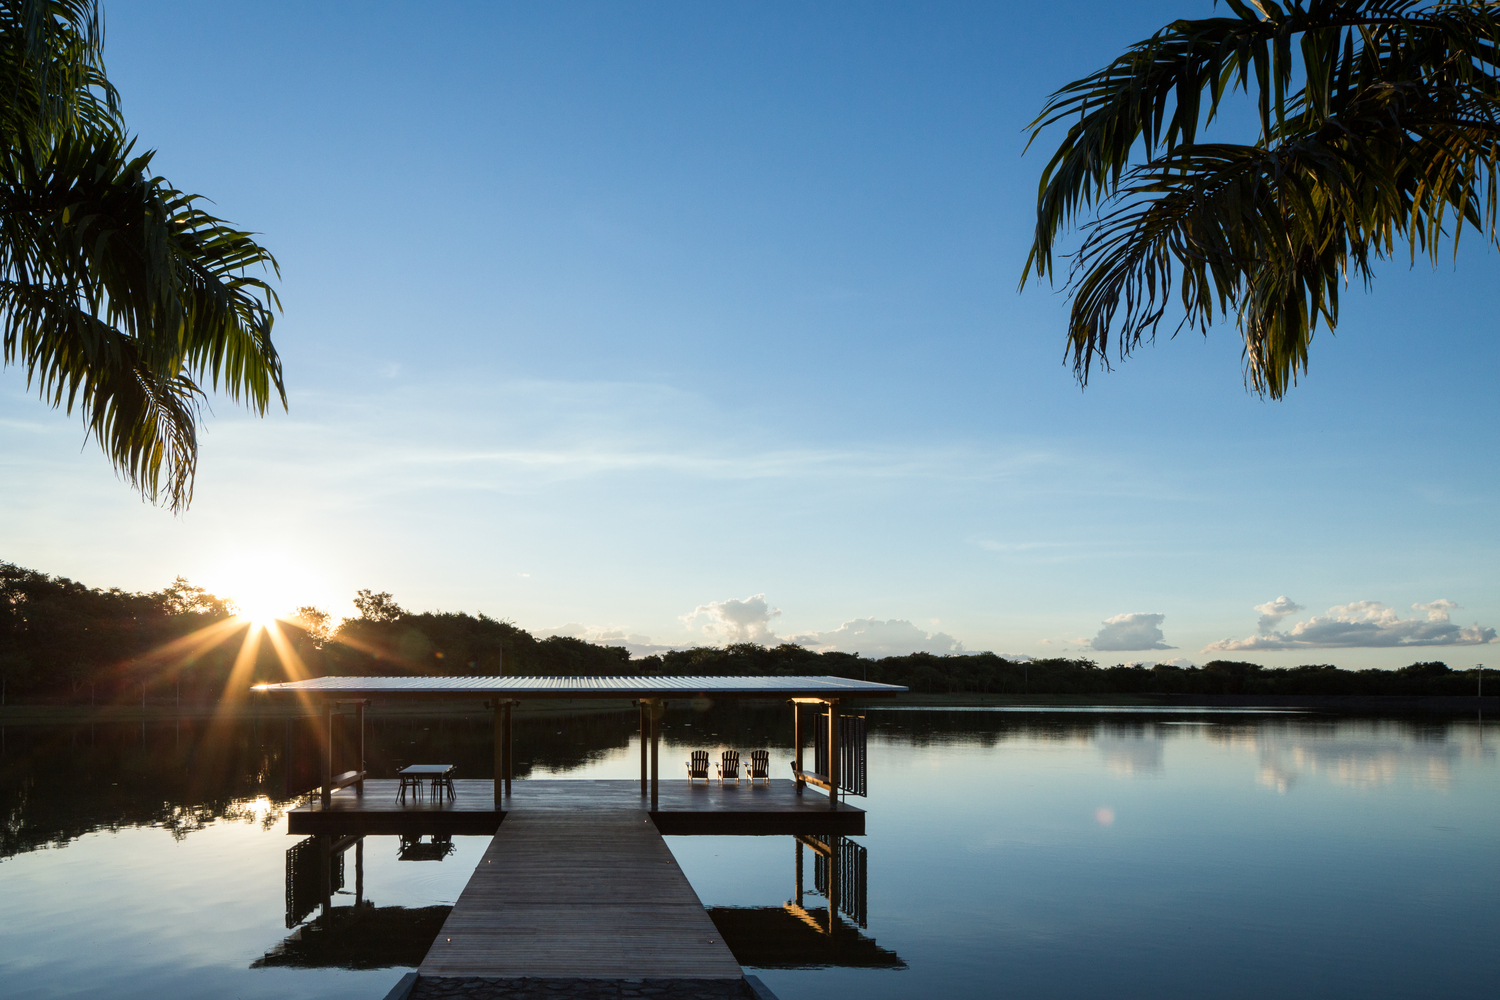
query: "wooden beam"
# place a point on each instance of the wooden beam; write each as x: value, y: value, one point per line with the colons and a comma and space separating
x: 656, y: 709
x: 327, y: 753
x: 645, y: 738
x: 500, y: 750
x: 359, y: 723
x: 510, y: 744
x: 833, y: 753
x: 797, y: 741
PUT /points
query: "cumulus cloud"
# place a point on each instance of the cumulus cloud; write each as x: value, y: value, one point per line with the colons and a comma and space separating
x: 606, y: 635
x: 873, y: 637
x: 1363, y: 624
x: 747, y: 620
x: 1131, y: 632
x: 1176, y: 661
x: 1272, y: 612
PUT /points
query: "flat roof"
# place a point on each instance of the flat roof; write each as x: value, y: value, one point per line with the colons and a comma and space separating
x: 586, y: 687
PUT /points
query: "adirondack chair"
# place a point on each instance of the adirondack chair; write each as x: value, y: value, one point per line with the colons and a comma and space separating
x: 729, y: 766
x: 759, y: 766
x: 697, y: 765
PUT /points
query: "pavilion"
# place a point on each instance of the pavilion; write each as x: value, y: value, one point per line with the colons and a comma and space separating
x: 839, y: 747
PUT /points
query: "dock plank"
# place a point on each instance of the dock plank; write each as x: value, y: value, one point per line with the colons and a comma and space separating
x: 764, y: 808
x: 582, y: 892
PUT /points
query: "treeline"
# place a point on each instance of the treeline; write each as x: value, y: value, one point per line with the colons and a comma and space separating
x: 61, y: 641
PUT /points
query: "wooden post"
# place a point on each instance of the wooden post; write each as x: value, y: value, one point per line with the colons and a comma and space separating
x: 325, y: 855
x: 500, y: 751
x: 798, y: 897
x: 359, y: 724
x: 359, y: 871
x: 327, y: 754
x: 797, y: 742
x: 832, y: 863
x: 833, y: 753
x: 655, y: 739
x: 510, y: 746
x: 645, y: 738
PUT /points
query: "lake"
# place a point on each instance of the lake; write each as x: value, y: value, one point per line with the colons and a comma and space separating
x: 1037, y: 853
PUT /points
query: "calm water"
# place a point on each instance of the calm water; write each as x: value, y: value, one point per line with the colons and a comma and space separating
x: 1078, y: 854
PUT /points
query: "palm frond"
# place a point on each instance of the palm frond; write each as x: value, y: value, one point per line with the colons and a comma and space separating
x: 119, y: 294
x: 1392, y: 137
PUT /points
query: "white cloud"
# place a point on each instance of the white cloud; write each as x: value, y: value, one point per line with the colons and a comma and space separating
x: 1131, y: 632
x: 1364, y: 625
x: 1272, y: 612
x: 873, y: 637
x: 747, y: 620
x: 1176, y: 661
x: 606, y: 635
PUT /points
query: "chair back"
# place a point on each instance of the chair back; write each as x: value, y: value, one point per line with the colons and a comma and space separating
x: 760, y: 763
x: 698, y: 764
x: 730, y: 767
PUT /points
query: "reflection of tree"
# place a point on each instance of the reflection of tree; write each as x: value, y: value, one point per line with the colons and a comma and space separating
x: 59, y: 783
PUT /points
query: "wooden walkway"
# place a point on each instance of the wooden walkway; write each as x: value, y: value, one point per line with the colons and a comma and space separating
x: 763, y: 808
x: 579, y: 892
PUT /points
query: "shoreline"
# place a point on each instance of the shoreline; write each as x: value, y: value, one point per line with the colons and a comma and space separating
x: 1450, y: 705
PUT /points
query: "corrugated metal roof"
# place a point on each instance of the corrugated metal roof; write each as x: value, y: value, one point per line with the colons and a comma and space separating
x: 589, y: 687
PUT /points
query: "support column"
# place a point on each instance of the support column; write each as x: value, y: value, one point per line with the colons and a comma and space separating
x: 797, y: 742
x: 510, y: 745
x: 656, y: 708
x: 327, y: 754
x: 359, y: 724
x: 645, y: 739
x: 798, y: 897
x: 325, y: 859
x: 359, y: 872
x: 834, y: 874
x: 833, y: 753
x: 504, y: 750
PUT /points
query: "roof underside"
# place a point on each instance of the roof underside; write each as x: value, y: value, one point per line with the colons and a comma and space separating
x: 584, y: 687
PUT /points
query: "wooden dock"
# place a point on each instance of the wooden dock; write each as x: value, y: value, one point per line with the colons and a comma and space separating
x: 683, y: 808
x: 579, y: 892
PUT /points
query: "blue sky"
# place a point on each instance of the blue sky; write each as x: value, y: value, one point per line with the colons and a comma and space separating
x: 600, y: 316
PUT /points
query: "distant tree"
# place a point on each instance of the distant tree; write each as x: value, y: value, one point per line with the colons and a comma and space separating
x: 317, y: 623
x: 183, y: 598
x: 118, y: 294
x: 1379, y: 134
x: 381, y: 607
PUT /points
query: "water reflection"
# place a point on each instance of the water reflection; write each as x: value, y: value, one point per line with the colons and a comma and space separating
x: 364, y: 936
x: 1061, y: 854
x: 61, y: 782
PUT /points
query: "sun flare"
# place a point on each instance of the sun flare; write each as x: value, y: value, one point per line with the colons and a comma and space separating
x: 261, y: 589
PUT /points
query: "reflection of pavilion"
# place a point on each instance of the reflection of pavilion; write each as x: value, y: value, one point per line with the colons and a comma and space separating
x: 800, y: 936
x: 797, y: 935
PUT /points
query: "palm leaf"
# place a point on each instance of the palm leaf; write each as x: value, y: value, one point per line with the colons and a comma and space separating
x: 1391, y: 138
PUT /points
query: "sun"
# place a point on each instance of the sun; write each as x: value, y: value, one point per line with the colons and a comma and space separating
x: 261, y: 589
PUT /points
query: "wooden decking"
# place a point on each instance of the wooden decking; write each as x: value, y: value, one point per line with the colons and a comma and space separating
x: 763, y: 809
x: 573, y: 891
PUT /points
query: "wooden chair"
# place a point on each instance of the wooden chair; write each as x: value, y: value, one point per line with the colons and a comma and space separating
x: 759, y: 766
x: 409, y: 783
x: 729, y: 766
x: 697, y: 765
